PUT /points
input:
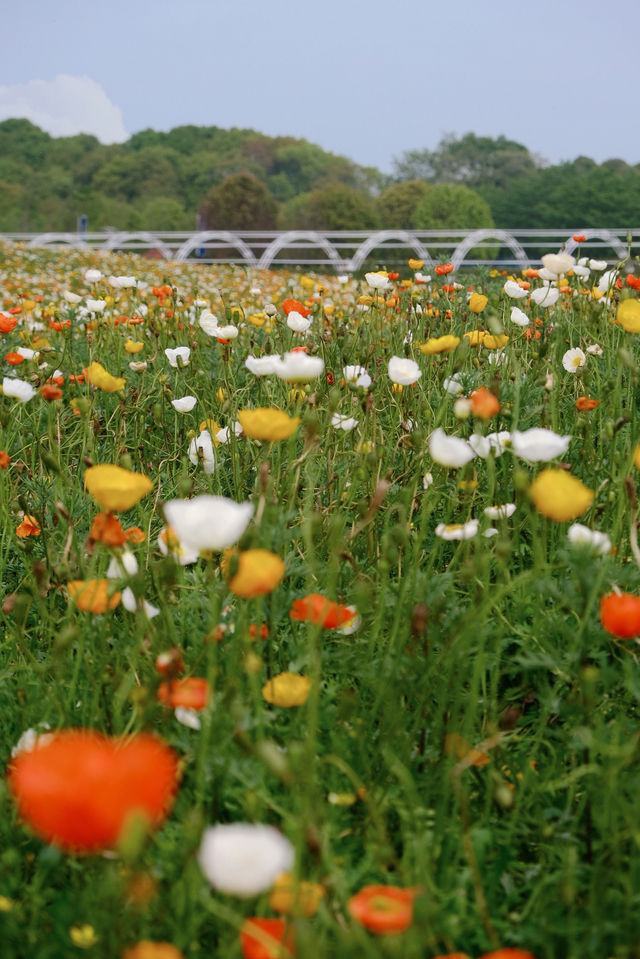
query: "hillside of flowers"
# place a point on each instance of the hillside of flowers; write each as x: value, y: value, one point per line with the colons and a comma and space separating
x: 320, y: 610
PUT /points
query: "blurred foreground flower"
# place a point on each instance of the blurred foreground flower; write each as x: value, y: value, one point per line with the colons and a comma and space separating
x: 620, y: 615
x: 295, y: 897
x: 258, y: 571
x: 267, y: 423
x: 592, y: 539
x: 244, y: 859
x: 92, y: 595
x: 383, y: 909
x: 18, y: 389
x: 559, y: 495
x: 287, y: 690
x: 114, y: 488
x: 267, y: 939
x: 207, y: 522
x: 317, y: 609
x: 147, y: 949
x: 78, y: 789
x: 539, y: 445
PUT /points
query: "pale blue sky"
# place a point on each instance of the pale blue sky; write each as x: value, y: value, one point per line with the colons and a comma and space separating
x: 368, y: 80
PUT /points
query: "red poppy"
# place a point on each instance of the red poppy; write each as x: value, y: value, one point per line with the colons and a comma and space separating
x: 192, y: 692
x: 443, y: 268
x: 50, y: 392
x: 383, y: 909
x: 393, y: 276
x: 579, y: 237
x: 449, y: 289
x: 5, y: 459
x: 585, y: 403
x: 267, y: 939
x: 298, y: 349
x: 633, y: 281
x: 7, y: 323
x: 15, y: 359
x: 59, y: 325
x: 290, y: 304
x: 317, y: 609
x: 620, y: 615
x: 77, y: 788
x: 259, y: 632
x: 15, y: 310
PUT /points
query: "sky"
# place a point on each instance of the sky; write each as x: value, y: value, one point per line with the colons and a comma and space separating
x: 368, y: 80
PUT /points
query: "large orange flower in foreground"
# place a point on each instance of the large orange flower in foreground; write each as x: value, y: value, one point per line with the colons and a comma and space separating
x: 620, y: 615
x: 317, y: 609
x: 77, y: 788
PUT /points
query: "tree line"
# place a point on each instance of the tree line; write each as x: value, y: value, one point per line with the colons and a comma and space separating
x: 206, y: 177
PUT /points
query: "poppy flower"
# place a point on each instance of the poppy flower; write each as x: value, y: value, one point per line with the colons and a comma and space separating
x: 244, y: 859
x: 96, y: 375
x: 267, y: 939
x: 628, y: 315
x: 7, y: 323
x: 92, y: 595
x: 114, y: 488
x: 287, y: 690
x: 508, y: 953
x: 28, y: 527
x: 106, y: 529
x: 50, y: 392
x: 403, y: 371
x: 483, y: 403
x: 5, y: 459
x: 585, y: 403
x: 192, y: 692
x: 579, y: 237
x: 383, y: 909
x: 147, y: 949
x: 633, y: 281
x: 290, y: 304
x: 559, y: 495
x: 258, y: 572
x: 477, y: 302
x: 443, y: 268
x: 620, y: 615
x: 78, y: 788
x: 294, y: 897
x: 321, y: 611
x: 207, y: 522
x: 14, y: 359
x: 266, y: 423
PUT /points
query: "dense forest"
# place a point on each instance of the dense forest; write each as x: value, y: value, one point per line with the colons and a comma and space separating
x: 234, y: 179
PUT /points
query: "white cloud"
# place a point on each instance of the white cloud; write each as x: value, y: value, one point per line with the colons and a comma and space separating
x: 65, y: 106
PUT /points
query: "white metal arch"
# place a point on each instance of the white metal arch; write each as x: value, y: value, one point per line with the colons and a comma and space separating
x: 121, y: 240
x: 285, y: 239
x: 384, y: 236
x: 205, y: 238
x: 476, y: 238
x: 615, y: 242
x: 56, y: 239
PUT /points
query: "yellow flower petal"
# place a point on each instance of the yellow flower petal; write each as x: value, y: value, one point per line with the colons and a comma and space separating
x: 628, y: 315
x: 559, y: 495
x: 439, y: 344
x: 116, y: 489
x: 258, y: 571
x: 98, y: 376
x: 287, y: 689
x: 477, y: 302
x: 266, y: 423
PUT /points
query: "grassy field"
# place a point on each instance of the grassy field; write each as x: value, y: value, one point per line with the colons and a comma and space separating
x: 397, y: 649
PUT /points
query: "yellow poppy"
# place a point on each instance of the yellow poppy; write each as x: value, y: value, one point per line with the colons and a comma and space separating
x: 98, y: 376
x: 439, y: 344
x: 477, y: 302
x: 131, y: 346
x: 258, y: 571
x: 495, y: 342
x: 559, y: 495
x: 116, y: 489
x: 268, y: 423
x: 628, y: 315
x: 287, y: 689
x: 291, y: 897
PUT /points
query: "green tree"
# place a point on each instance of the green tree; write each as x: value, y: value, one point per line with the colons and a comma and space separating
x: 240, y: 202
x: 445, y: 206
x: 332, y: 207
x: 397, y: 204
x: 165, y: 213
x: 471, y: 160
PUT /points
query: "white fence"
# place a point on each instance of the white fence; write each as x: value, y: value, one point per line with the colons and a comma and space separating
x: 347, y: 252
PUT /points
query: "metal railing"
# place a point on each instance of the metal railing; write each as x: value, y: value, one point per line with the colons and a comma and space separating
x: 348, y: 252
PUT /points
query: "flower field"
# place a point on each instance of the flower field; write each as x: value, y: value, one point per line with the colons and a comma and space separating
x: 320, y: 607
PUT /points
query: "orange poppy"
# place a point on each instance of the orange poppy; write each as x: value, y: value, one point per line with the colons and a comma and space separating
x: 15, y: 310
x: 267, y: 939
x: 5, y: 459
x: 483, y: 403
x: 92, y: 595
x: 579, y: 237
x: 383, y: 909
x: 508, y: 953
x: 148, y: 949
x: 317, y: 609
x: 28, y: 527
x: 289, y: 304
x: 78, y: 788
x: 7, y: 323
x: 106, y: 529
x: 258, y: 632
x: 15, y: 359
x: 531, y: 273
x: 50, y: 392
x: 633, y: 281
x: 443, y: 268
x: 134, y: 535
x: 393, y: 276
x: 620, y: 615
x: 585, y: 403
x: 59, y: 325
x: 192, y: 692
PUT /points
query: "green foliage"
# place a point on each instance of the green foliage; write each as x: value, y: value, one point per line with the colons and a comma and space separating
x: 240, y: 202
x: 397, y: 204
x: 451, y: 207
x: 471, y: 160
x: 333, y: 207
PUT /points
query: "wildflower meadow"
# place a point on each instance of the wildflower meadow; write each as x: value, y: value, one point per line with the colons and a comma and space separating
x: 320, y: 609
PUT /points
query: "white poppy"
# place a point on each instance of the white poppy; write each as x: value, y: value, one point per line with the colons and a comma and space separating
x: 595, y: 350
x: 130, y: 603
x: 357, y: 376
x: 378, y: 281
x: 96, y: 306
x: 244, y: 859
x: 350, y: 625
x: 462, y: 408
x: 403, y: 371
x: 32, y: 355
x: 122, y: 282
x: 298, y: 367
x: 500, y: 512
x: 607, y: 280
x: 573, y: 360
x: 547, y: 274
x: 449, y: 451
x: 297, y: 322
x: 581, y: 270
x: 201, y: 451
x: 70, y: 297
x: 185, y: 404
x: 18, y: 389
x: 188, y: 717
x: 598, y: 265
x: 545, y: 296
x: 597, y: 542
x: 208, y: 522
x: 539, y: 445
x: 261, y: 365
x: 421, y: 278
x: 28, y: 739
x: 457, y: 530
x: 346, y: 423
x: 223, y: 435
x: 182, y: 353
x: 452, y: 385
x: 169, y: 545
x: 512, y: 289
x: 558, y: 263
x: 138, y: 366
x: 427, y: 480
x: 518, y: 317
x: 93, y: 276
x: 124, y: 564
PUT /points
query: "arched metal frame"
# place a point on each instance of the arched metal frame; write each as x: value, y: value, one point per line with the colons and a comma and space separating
x: 206, y: 237
x: 122, y: 240
x: 377, y: 240
x: 478, y: 236
x: 284, y: 240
